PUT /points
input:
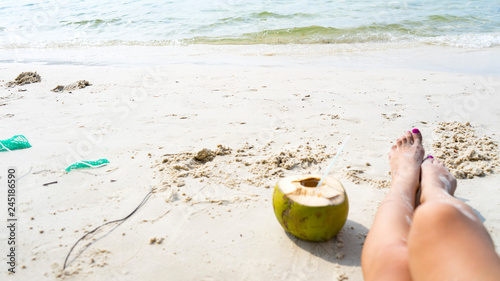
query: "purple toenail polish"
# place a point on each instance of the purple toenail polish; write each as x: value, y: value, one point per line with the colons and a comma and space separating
x: 430, y: 156
x: 415, y: 131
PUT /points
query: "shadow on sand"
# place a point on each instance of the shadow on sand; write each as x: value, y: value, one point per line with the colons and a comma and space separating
x: 344, y: 249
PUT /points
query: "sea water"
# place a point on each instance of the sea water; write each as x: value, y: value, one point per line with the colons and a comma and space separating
x: 62, y: 23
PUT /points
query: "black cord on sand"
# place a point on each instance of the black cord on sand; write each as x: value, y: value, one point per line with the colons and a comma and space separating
x: 115, y: 221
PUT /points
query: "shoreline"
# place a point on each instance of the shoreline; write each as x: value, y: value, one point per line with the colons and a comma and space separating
x: 482, y: 61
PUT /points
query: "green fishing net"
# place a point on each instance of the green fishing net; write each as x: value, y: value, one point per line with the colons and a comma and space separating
x: 87, y: 164
x: 16, y: 142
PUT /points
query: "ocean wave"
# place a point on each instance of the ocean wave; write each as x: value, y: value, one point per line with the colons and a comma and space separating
x: 296, y: 36
x: 404, y: 32
x: 271, y: 15
x: 311, y: 35
x: 246, y: 20
x: 93, y: 23
x: 390, y: 33
x: 474, y: 41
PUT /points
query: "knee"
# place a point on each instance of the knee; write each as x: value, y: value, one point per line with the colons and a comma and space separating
x: 441, y: 217
x: 434, y: 215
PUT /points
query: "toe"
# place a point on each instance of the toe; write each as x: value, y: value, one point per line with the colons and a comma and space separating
x: 409, y: 137
x: 417, y: 136
x: 393, y: 149
x: 400, y: 142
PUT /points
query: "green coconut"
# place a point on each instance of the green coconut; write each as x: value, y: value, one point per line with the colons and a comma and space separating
x: 308, y: 211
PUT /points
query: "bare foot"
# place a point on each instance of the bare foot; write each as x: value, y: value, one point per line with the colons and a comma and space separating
x: 436, y: 179
x: 406, y: 158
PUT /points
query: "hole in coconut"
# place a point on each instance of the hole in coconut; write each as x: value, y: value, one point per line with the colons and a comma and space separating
x: 309, y: 182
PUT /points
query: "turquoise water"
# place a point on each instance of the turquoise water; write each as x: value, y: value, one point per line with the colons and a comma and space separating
x: 458, y: 23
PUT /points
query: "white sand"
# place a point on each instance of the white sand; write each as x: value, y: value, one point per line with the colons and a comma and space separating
x: 133, y: 116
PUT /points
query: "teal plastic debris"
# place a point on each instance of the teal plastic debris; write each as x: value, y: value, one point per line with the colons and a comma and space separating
x: 87, y: 164
x: 16, y: 142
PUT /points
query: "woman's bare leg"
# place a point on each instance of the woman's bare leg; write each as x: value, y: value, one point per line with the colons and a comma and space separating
x: 385, y: 253
x: 447, y: 240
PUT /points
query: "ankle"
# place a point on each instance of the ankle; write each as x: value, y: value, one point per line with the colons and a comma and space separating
x: 430, y: 192
x: 405, y: 184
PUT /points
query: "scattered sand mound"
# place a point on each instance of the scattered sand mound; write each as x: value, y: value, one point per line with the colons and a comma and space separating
x: 25, y: 78
x: 256, y: 166
x: 80, y: 84
x: 465, y: 154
